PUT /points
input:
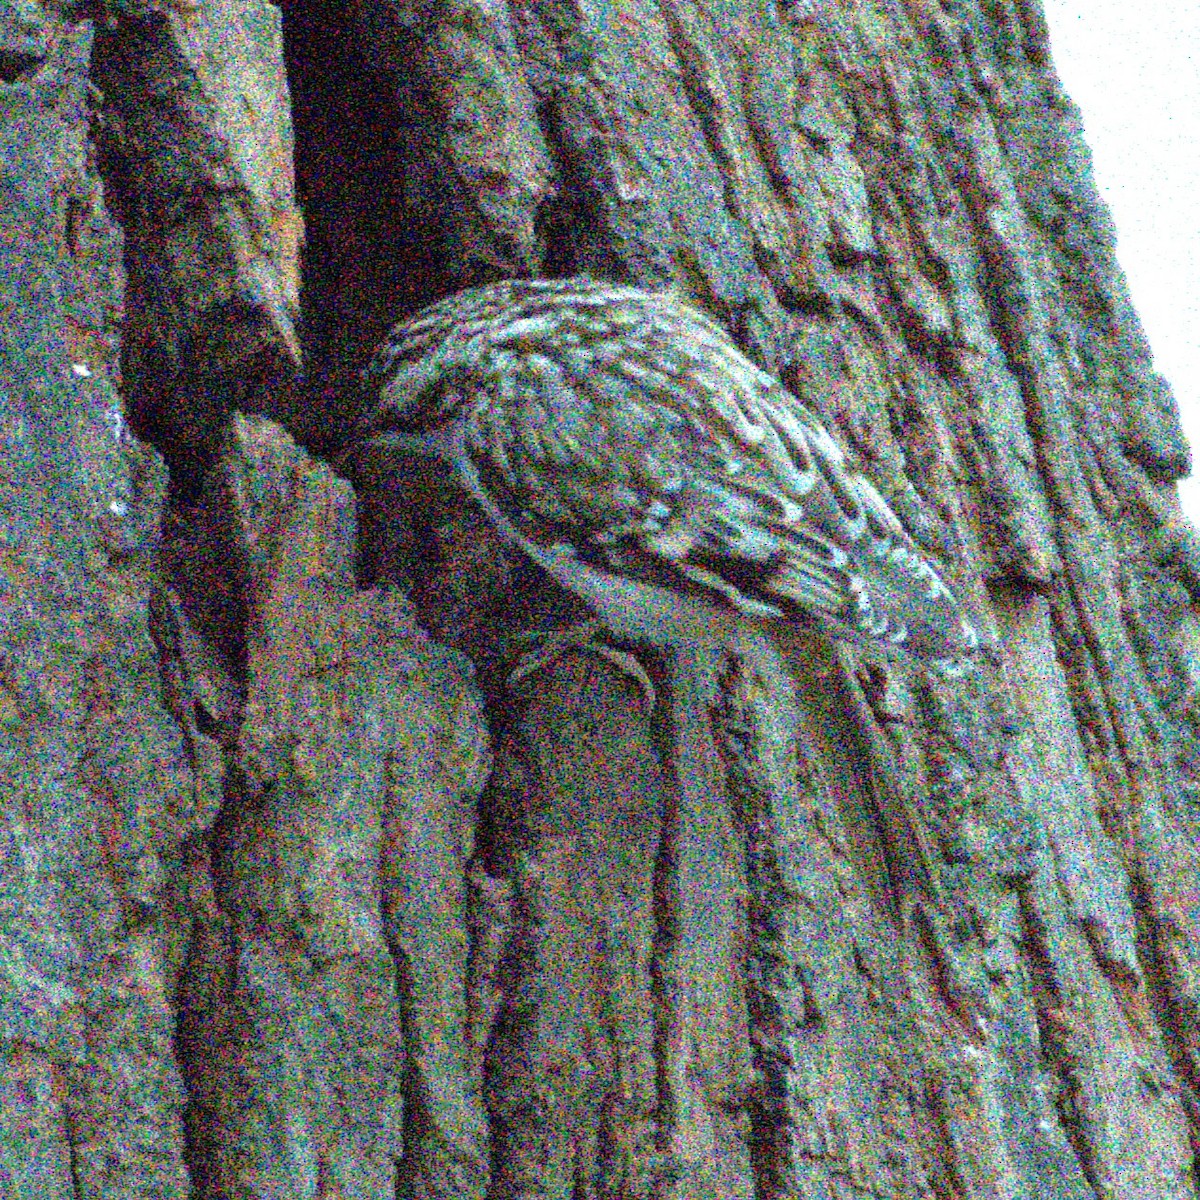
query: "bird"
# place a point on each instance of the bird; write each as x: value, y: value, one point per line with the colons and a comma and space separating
x: 617, y: 438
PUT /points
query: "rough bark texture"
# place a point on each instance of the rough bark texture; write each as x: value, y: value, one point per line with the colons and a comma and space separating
x: 297, y: 900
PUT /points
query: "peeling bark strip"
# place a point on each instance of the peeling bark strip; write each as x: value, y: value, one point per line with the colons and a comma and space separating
x: 301, y: 898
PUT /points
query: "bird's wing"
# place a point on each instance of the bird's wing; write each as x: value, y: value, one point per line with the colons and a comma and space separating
x: 692, y: 465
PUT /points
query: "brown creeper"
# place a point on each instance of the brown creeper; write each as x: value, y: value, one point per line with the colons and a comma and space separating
x: 624, y: 444
x: 619, y: 436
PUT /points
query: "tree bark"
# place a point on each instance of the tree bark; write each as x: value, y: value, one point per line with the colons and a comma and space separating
x: 304, y: 895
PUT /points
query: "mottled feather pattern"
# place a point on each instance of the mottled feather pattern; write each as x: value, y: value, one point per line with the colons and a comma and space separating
x: 626, y: 426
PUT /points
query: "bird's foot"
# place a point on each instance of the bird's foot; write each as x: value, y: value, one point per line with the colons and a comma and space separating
x: 536, y: 649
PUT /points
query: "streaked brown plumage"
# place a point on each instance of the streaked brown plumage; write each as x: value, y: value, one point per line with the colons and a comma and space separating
x: 620, y: 435
x: 623, y: 443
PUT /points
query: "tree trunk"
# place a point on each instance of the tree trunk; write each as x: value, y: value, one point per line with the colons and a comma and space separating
x: 303, y: 898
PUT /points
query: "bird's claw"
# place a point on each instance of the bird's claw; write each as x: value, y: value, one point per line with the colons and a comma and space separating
x: 545, y: 647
